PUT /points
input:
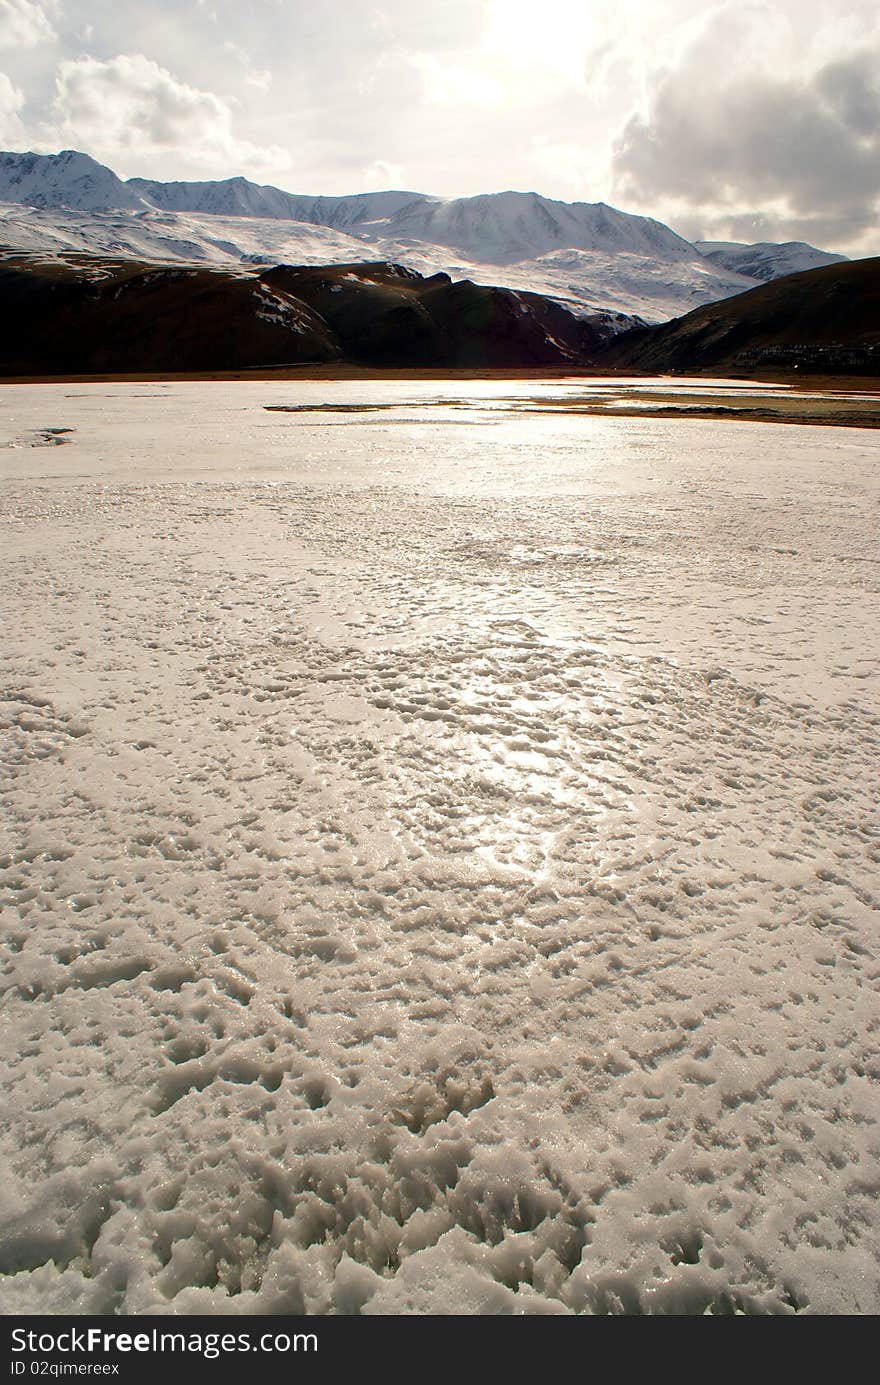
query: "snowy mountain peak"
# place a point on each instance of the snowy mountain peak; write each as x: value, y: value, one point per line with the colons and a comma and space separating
x: 507, y: 227
x: 766, y: 260
x: 68, y: 179
x: 239, y: 197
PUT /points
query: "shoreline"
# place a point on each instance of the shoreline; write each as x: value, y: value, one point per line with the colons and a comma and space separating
x: 800, y: 383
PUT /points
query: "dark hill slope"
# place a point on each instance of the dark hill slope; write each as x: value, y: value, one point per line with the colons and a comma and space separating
x: 383, y: 314
x: 825, y: 319
x: 117, y: 317
x: 85, y: 315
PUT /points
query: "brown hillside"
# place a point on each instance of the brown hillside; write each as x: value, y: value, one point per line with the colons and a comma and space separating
x: 85, y: 315
x: 825, y: 319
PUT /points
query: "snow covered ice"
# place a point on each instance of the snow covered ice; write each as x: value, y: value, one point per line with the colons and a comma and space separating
x: 440, y: 855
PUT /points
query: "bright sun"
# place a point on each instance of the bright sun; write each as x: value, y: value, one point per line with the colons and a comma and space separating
x: 555, y: 36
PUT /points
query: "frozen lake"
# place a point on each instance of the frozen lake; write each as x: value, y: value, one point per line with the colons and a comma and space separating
x: 440, y: 853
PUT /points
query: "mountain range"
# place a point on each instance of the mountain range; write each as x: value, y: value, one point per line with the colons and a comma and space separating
x: 593, y: 259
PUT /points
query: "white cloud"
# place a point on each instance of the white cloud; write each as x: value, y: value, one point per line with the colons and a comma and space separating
x: 128, y: 111
x: 380, y: 176
x: 11, y: 103
x: 24, y: 24
x: 259, y: 77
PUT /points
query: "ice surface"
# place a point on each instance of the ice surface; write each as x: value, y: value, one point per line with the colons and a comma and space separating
x: 440, y: 855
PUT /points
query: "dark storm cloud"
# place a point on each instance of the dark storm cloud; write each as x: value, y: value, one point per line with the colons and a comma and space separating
x: 852, y: 90
x: 809, y: 149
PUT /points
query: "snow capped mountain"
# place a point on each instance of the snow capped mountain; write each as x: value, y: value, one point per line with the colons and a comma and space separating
x: 173, y: 236
x: 588, y: 256
x: 68, y: 179
x: 584, y: 281
x: 647, y: 286
x: 495, y: 228
x: 766, y: 260
x: 507, y: 227
x: 238, y: 197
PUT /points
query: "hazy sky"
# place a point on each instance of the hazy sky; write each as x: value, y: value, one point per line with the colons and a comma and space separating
x: 736, y: 120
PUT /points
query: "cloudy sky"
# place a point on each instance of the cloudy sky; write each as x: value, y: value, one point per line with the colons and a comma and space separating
x: 735, y: 120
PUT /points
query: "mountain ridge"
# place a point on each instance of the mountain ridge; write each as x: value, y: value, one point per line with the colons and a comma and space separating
x: 767, y: 260
x: 590, y: 257
x: 40, y: 179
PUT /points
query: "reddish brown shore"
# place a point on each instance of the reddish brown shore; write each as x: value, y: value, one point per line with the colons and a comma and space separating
x: 828, y: 383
